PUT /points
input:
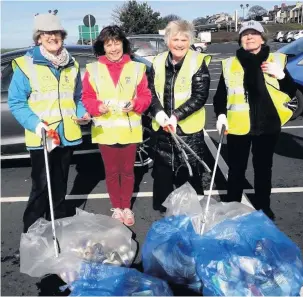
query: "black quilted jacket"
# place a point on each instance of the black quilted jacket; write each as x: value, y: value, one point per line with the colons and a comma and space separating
x: 164, y: 147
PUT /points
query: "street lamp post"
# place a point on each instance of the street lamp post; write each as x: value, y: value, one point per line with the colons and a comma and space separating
x: 243, y: 8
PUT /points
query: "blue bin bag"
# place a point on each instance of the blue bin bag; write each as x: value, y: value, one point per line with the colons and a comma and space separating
x: 167, y: 252
x: 104, y: 280
x: 248, y: 256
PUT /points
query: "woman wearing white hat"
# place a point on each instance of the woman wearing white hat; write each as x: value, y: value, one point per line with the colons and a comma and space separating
x: 45, y: 92
x: 251, y: 102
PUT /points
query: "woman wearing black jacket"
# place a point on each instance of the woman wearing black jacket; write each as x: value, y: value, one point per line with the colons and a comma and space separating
x: 254, y: 102
x: 179, y: 81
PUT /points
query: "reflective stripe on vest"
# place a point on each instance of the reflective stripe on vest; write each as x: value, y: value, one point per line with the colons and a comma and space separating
x: 116, y: 126
x: 51, y: 100
x: 182, y: 88
x: 237, y: 105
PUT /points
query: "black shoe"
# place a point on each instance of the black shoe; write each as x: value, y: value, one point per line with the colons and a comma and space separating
x: 269, y: 213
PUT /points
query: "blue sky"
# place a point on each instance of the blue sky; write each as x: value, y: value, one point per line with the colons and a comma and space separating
x: 17, y: 16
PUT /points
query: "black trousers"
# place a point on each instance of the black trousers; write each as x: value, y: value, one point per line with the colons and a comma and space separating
x: 166, y: 181
x: 238, y: 151
x: 38, y: 203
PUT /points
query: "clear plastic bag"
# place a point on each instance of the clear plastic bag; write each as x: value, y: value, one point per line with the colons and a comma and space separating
x: 183, y: 201
x: 96, y: 279
x: 83, y: 237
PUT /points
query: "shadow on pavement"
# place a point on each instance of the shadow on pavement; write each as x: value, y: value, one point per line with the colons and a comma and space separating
x: 290, y: 146
x: 139, y: 174
x: 50, y: 286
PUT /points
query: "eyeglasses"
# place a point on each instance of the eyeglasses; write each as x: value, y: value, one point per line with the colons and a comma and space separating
x: 49, y: 33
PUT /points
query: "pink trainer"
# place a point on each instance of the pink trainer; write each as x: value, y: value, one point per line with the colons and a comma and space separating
x: 118, y: 214
x: 129, y: 218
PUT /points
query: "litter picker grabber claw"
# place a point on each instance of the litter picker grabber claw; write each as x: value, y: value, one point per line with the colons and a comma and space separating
x: 50, y: 197
x: 183, y: 153
x: 213, y: 178
x: 182, y: 143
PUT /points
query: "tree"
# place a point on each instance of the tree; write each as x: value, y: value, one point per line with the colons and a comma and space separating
x: 199, y: 21
x: 137, y: 18
x: 256, y: 11
x: 168, y: 18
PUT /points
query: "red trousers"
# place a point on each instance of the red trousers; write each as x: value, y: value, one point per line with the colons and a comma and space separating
x: 119, y: 171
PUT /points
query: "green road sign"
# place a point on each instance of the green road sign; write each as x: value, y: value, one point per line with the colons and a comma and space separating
x: 88, y: 33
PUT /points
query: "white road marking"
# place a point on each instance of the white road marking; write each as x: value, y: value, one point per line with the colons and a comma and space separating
x: 214, y: 80
x: 214, y: 68
x: 216, y: 73
x: 150, y: 194
x: 292, y: 127
x: 221, y: 164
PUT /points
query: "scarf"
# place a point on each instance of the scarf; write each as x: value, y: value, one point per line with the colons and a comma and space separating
x: 253, y: 75
x: 59, y: 60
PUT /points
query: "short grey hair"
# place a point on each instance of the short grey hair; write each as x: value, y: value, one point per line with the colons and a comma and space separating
x: 37, y: 34
x: 179, y: 26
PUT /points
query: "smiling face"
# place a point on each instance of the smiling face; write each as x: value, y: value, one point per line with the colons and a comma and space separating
x: 178, y: 45
x: 251, y: 41
x: 51, y: 41
x: 113, y: 49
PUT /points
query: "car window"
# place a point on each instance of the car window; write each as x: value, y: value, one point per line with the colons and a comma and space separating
x: 293, y: 49
x: 83, y: 60
x: 6, y: 76
x: 162, y: 47
x: 144, y: 47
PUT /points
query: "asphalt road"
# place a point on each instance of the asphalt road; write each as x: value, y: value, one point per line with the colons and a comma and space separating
x: 87, y: 177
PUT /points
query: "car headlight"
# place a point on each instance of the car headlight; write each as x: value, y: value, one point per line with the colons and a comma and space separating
x: 301, y: 63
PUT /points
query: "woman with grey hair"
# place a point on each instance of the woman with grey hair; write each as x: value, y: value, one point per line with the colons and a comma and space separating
x: 179, y: 81
x: 251, y: 102
x: 45, y: 95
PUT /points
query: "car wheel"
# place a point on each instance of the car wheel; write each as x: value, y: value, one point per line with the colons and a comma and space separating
x: 144, y: 149
x: 281, y: 39
x: 289, y: 40
x: 296, y: 105
x: 199, y: 49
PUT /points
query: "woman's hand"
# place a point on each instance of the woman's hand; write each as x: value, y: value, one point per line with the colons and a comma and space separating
x: 103, y: 109
x: 273, y: 69
x: 128, y: 107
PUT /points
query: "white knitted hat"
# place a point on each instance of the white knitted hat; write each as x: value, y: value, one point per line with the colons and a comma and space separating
x: 47, y: 22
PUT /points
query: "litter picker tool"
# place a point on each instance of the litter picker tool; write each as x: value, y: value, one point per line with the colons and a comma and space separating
x: 183, y: 153
x: 49, y: 188
x: 213, y: 178
x: 182, y: 144
x: 190, y: 150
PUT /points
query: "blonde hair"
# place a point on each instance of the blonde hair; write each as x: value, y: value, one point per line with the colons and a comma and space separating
x: 179, y: 26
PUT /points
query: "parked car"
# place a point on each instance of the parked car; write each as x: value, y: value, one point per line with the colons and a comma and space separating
x: 288, y: 36
x: 278, y: 36
x: 298, y: 34
x: 12, y: 133
x: 294, y: 52
x: 200, y: 47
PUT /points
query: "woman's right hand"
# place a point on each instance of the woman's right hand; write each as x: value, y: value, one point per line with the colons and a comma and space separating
x: 103, y: 109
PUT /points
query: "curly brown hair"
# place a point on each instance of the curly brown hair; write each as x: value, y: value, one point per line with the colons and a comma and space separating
x: 111, y: 33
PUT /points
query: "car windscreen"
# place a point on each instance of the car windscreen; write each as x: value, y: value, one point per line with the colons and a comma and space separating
x: 293, y: 49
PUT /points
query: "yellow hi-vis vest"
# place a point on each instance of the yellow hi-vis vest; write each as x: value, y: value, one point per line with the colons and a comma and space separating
x: 182, y: 88
x: 237, y: 104
x: 116, y: 127
x: 51, y: 100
